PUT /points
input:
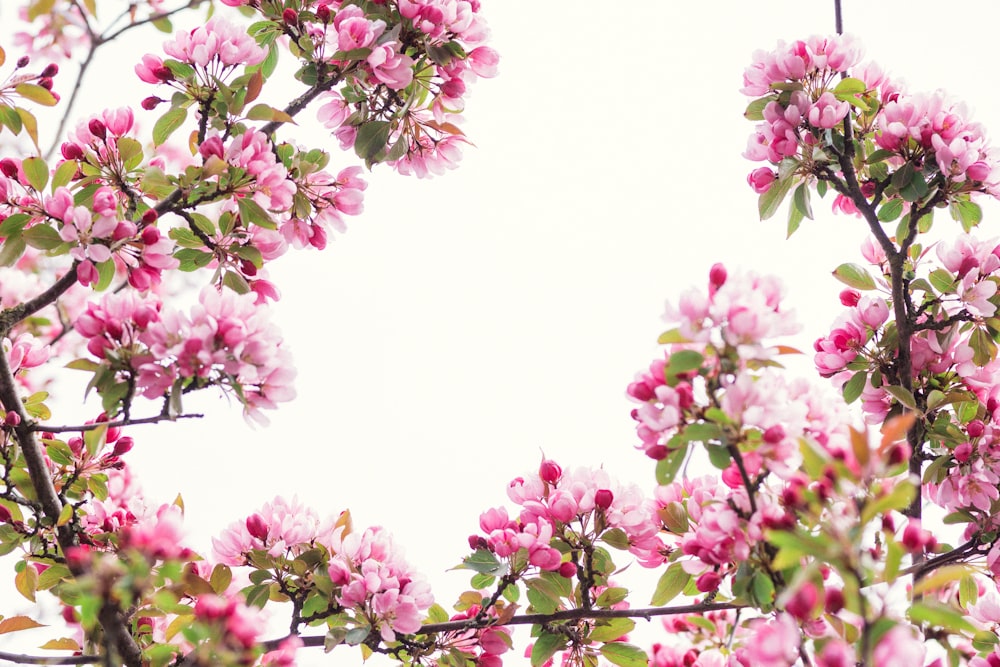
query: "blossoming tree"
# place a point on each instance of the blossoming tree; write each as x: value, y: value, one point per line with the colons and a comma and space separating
x: 811, y: 544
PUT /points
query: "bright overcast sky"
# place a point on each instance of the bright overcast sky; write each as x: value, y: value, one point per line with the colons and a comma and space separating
x: 466, y: 323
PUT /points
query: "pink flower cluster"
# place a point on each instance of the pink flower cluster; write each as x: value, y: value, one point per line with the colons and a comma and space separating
x: 924, y: 128
x: 375, y: 580
x: 226, y: 340
x: 551, y: 499
x: 851, y: 333
x: 282, y: 528
x: 215, y: 49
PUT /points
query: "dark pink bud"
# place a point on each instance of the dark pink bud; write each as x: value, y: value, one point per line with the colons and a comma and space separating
x: 5, y: 516
x: 323, y: 13
x: 69, y: 614
x: 691, y: 657
x: 774, y: 435
x: 888, y: 523
x: 124, y: 230
x: 150, y: 103
x: 914, y: 537
x: 975, y: 428
x: 898, y: 453
x: 97, y: 128
x: 567, y: 570
x: 163, y: 74
x: 23, y: 61
x: 657, y: 452
x: 802, y: 603
x: 478, y: 542
x: 12, y: 419
x: 211, y: 146
x: 290, y: 17
x: 149, y: 216
x: 963, y: 452
x: 850, y: 297
x: 71, y: 151
x: 257, y: 527
x: 8, y: 167
x: 549, y: 471
x: 708, y: 582
x: 50, y: 70
x: 150, y: 235
x: 834, y: 600
x: 603, y: 498
x: 248, y: 268
x: 45, y: 82
x: 640, y: 391
x: 123, y: 446
x: 717, y: 276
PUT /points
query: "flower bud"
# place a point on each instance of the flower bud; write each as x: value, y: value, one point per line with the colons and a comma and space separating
x: 8, y: 167
x: 123, y: 445
x: 151, y: 102
x: 97, y: 128
x: 5, y: 516
x: 834, y: 600
x: 323, y: 13
x: 50, y: 71
x: 71, y: 151
x: 257, y: 527
x: 567, y: 570
x: 163, y: 73
x: 975, y: 428
x: 23, y: 61
x: 12, y: 419
x: 150, y: 235
x: 290, y: 17
x: 149, y: 216
x: 603, y: 498
x: 46, y: 83
x: 717, y: 276
x: 708, y: 582
x: 550, y: 471
x: 850, y: 297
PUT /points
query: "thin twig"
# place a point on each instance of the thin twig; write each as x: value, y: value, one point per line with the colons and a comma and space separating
x: 115, y: 424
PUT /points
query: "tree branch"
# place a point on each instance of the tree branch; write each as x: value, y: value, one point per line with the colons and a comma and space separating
x: 121, y: 422
x: 15, y: 314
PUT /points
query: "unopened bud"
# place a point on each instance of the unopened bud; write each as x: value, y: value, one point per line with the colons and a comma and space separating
x: 12, y: 419
x: 717, y: 276
x: 975, y: 428
x: 5, y: 515
x: 850, y: 298
x: 323, y: 13
x: 23, y: 61
x: 150, y: 235
x: 50, y: 70
x: 257, y: 527
x: 71, y: 151
x: 603, y: 498
x: 151, y: 102
x: 97, y: 128
x: 8, y: 167
x: 45, y: 82
x: 708, y: 582
x: 123, y: 445
x: 290, y: 17
x: 549, y: 471
x: 567, y: 570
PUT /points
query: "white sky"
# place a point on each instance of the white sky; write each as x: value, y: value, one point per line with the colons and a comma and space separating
x: 466, y: 323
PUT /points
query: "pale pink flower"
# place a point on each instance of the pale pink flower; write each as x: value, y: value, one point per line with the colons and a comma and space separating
x: 775, y: 642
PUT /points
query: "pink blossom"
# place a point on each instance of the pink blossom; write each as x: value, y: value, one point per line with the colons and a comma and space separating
x: 217, y: 46
x: 391, y: 68
x: 899, y: 647
x: 775, y: 642
x: 761, y: 179
x: 827, y: 111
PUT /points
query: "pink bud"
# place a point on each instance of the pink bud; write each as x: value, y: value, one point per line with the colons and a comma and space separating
x: 963, y: 451
x: 708, y: 582
x: 603, y: 498
x: 290, y: 17
x: 717, y: 276
x: 323, y: 13
x: 149, y: 216
x: 97, y: 128
x: 151, y: 102
x: 975, y: 428
x: 774, y: 435
x: 50, y: 70
x: 71, y: 151
x: 12, y: 419
x: 257, y: 527
x: 123, y: 446
x: 163, y: 74
x: 850, y: 297
x: 23, y: 61
x: 8, y: 167
x: 567, y: 570
x: 802, y: 603
x: 834, y: 600
x: 550, y: 471
x: 5, y: 516
x: 45, y: 83
x: 761, y: 179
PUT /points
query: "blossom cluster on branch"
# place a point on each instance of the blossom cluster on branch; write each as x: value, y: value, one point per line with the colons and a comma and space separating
x: 780, y: 532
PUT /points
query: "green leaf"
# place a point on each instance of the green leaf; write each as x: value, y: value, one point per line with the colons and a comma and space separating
x: 854, y: 275
x: 984, y: 349
x: 616, y: 537
x: 545, y: 647
x: 800, y: 200
x: 611, y: 629
x: 42, y: 237
x: 939, y: 616
x: 683, y: 361
x: 167, y: 123
x: 968, y: 213
x: 770, y: 201
x: 719, y: 456
x: 795, y: 218
x: 942, y: 280
x: 63, y: 174
x: 11, y: 250
x: 671, y: 583
x: 253, y: 213
x: 850, y: 86
x: 611, y: 596
x: 624, y: 655
x: 371, y: 139
x: 853, y: 387
x: 35, y: 93
x: 898, y: 499
x: 485, y: 562
x: 890, y: 210
x: 105, y: 274
x: 668, y: 467
x: 37, y: 172
x: 755, y: 110
x: 901, y: 394
x: 268, y: 113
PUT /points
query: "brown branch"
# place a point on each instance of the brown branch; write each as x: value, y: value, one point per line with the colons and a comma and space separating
x: 15, y: 314
x: 121, y: 422
x: 22, y: 659
x: 532, y: 619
